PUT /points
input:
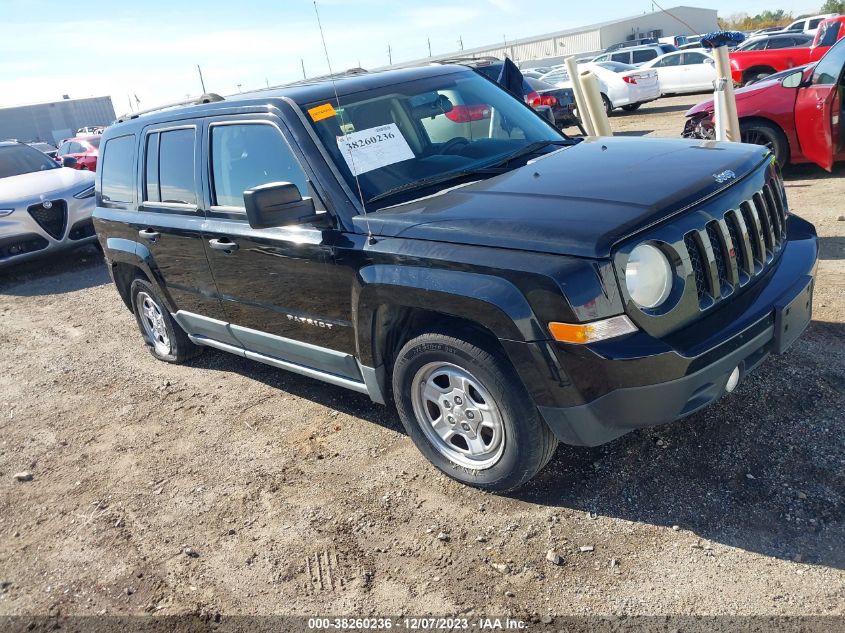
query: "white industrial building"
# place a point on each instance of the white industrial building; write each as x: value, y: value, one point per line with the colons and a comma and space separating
x: 554, y: 47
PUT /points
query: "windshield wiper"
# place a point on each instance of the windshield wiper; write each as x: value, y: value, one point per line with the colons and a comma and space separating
x: 495, y: 168
x: 435, y: 180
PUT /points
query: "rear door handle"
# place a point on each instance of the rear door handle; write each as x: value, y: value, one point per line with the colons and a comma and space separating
x: 223, y: 244
x: 149, y: 235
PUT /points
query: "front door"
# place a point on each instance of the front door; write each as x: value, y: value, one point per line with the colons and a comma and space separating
x: 279, y: 288
x: 818, y: 108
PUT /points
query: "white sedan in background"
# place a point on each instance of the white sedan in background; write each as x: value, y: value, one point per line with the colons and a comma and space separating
x: 622, y: 86
x: 684, y: 71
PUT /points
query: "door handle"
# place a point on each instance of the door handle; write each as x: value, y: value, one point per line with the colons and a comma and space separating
x: 149, y: 235
x: 223, y: 244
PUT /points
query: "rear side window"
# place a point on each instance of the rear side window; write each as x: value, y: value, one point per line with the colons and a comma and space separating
x: 169, y: 174
x: 621, y: 57
x: 644, y: 55
x: 116, y: 171
x: 247, y: 155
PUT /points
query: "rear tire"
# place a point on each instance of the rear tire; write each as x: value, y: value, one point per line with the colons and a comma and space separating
x: 631, y: 107
x: 467, y: 411
x: 608, y: 106
x: 768, y: 135
x: 164, y: 337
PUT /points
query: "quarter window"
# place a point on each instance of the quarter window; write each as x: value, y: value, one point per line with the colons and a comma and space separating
x: 116, y: 170
x: 247, y: 155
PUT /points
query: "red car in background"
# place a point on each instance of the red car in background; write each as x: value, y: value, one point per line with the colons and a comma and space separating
x: 85, y: 149
x: 795, y: 113
x: 750, y: 66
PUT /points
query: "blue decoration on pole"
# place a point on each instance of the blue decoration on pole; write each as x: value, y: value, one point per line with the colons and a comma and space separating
x: 722, y: 38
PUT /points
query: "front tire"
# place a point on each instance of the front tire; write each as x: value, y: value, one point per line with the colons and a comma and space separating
x: 162, y: 335
x: 768, y: 135
x: 466, y: 410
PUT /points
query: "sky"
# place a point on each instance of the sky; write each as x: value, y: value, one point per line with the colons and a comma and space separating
x: 151, y: 48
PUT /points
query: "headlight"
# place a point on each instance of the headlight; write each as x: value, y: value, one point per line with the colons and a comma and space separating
x: 648, y: 276
x: 5, y: 212
x: 85, y: 193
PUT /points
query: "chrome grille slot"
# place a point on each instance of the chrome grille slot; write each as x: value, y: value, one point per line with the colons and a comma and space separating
x: 736, y: 230
x: 718, y: 250
x: 755, y: 233
x: 774, y: 215
x: 697, y: 264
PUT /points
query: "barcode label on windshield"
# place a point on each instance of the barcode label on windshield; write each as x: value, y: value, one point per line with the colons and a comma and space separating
x: 374, y: 148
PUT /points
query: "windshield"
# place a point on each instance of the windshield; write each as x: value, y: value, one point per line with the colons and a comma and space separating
x: 617, y: 67
x: 22, y: 159
x: 425, y: 131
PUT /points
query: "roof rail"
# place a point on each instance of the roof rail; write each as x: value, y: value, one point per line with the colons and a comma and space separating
x: 210, y: 97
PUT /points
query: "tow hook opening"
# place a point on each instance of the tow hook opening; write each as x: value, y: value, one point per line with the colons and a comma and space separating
x: 733, y: 380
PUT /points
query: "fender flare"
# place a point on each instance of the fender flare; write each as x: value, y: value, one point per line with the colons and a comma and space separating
x: 123, y: 251
x: 491, y: 302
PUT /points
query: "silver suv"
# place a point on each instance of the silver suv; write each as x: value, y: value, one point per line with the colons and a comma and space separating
x: 43, y: 206
x: 636, y: 55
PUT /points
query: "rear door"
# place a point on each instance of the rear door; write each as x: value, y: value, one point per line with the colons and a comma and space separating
x: 699, y: 71
x: 169, y: 219
x: 818, y: 109
x: 670, y: 73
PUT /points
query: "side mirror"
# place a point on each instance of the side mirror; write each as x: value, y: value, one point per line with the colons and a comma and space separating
x: 793, y: 80
x: 69, y: 161
x: 277, y: 204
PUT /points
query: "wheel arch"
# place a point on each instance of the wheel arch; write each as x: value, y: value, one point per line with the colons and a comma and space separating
x: 126, y: 264
x: 759, y: 68
x: 758, y: 118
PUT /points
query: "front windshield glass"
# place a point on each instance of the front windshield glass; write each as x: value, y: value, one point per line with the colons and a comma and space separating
x: 22, y: 159
x: 402, y: 136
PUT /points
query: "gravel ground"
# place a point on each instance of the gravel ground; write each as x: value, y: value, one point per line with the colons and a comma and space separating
x: 295, y: 497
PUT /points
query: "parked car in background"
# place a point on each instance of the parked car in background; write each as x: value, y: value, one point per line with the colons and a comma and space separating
x: 684, y: 71
x: 44, y: 207
x: 808, y: 25
x: 560, y: 100
x: 749, y: 66
x: 640, y: 41
x: 796, y: 113
x: 90, y: 129
x: 48, y: 149
x: 85, y: 149
x: 765, y: 30
x: 775, y: 40
x: 622, y: 86
x: 636, y: 55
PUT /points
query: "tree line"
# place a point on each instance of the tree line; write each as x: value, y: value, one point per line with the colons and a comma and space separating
x: 745, y: 22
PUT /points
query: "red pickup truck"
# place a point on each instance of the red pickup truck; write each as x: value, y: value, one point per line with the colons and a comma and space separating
x: 749, y: 66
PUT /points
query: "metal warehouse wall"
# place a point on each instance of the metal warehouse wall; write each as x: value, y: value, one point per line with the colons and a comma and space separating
x: 701, y: 20
x: 53, y: 122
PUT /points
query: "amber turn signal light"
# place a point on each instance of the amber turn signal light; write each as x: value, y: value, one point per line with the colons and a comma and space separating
x: 581, y: 333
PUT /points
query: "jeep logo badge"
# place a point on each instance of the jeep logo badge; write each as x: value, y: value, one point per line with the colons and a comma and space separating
x: 724, y: 176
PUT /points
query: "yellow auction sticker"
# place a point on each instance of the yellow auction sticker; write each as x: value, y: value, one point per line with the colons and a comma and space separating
x: 321, y: 112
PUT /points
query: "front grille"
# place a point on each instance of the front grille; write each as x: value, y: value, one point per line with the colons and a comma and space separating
x: 728, y: 253
x: 52, y: 220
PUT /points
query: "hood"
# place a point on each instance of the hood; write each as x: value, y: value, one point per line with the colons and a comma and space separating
x: 579, y: 200
x: 43, y: 185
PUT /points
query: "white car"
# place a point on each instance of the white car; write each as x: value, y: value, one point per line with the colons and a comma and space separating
x: 44, y: 207
x: 684, y: 71
x: 808, y: 25
x: 622, y: 86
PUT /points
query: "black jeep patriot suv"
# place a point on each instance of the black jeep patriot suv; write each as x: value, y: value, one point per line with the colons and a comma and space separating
x: 423, y: 237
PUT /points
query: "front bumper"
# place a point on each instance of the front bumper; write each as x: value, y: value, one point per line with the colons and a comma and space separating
x: 23, y: 238
x: 592, y: 394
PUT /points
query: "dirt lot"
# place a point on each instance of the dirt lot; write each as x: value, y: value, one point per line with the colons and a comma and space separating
x: 300, y: 498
